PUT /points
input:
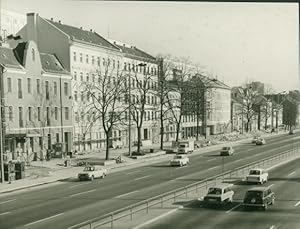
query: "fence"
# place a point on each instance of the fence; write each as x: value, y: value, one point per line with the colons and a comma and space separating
x: 145, y: 205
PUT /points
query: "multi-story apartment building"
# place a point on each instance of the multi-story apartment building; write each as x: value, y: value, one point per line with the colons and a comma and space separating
x: 37, y: 101
x: 10, y: 23
x: 87, y: 55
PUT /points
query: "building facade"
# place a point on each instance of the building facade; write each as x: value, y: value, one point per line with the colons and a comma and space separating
x: 37, y: 101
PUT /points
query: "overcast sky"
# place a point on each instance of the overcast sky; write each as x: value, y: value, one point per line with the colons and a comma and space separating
x: 237, y: 42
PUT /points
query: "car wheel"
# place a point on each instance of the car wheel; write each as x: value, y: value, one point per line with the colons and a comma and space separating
x: 266, y: 207
x: 262, y: 181
x: 180, y: 164
x: 92, y: 178
x: 273, y: 202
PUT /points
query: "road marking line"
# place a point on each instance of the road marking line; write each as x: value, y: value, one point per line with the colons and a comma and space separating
x: 76, y: 185
x: 291, y: 173
x: 180, y: 167
x: 43, y: 219
x: 4, y: 213
x: 141, y: 177
x: 126, y: 194
x: 134, y: 172
x: 238, y: 160
x: 270, y: 185
x: 77, y: 194
x: 7, y: 201
x: 212, y: 159
x: 213, y: 167
x: 272, y: 227
x: 156, y: 218
x: 233, y: 208
x: 297, y: 204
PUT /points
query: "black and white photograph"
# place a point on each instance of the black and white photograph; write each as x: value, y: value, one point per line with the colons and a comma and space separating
x: 149, y: 115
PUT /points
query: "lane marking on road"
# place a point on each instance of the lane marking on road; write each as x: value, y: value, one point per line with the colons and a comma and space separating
x: 270, y: 185
x: 76, y: 185
x: 156, y: 218
x: 272, y: 227
x: 126, y: 194
x: 50, y: 217
x: 212, y: 159
x: 233, y: 208
x: 180, y: 167
x: 213, y: 167
x: 7, y: 201
x: 133, y: 172
x: 80, y: 193
x: 297, y: 204
x: 291, y: 173
x: 4, y: 213
x: 238, y: 160
x: 140, y: 178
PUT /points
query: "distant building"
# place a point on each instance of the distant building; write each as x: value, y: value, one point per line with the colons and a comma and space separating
x: 10, y: 23
x: 37, y: 100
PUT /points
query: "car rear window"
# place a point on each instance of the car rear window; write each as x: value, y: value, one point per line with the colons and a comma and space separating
x: 254, y: 172
x: 253, y: 194
x: 226, y: 148
x: 216, y: 191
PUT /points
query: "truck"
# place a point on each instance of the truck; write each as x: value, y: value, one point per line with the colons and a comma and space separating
x: 185, y: 146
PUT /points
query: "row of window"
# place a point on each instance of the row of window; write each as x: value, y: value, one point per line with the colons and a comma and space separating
x: 37, y: 114
x: 141, y: 68
x: 151, y: 100
x: 148, y: 115
x: 38, y: 87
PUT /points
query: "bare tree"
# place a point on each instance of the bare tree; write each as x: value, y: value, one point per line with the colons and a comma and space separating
x: 105, y: 96
x: 177, y: 97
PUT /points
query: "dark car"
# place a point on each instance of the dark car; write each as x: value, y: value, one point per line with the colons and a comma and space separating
x: 260, y: 197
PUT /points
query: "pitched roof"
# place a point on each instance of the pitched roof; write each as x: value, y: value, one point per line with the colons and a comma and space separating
x: 133, y: 52
x: 83, y: 35
x: 50, y: 63
x: 8, y: 59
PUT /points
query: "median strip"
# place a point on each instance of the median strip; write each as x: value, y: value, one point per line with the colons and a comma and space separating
x: 140, y: 178
x: 80, y: 193
x: 43, y: 219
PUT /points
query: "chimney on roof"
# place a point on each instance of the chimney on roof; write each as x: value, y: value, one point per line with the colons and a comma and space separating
x: 31, y: 28
x: 91, y: 30
x: 80, y: 27
x: 52, y: 19
x: 115, y: 43
x: 123, y: 45
x: 59, y: 21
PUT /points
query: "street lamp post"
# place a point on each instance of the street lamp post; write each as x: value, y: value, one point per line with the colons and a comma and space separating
x: 1, y: 125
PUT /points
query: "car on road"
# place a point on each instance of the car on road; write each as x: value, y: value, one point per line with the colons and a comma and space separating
x: 260, y: 141
x: 257, y: 176
x: 91, y: 172
x: 227, y: 151
x: 219, y: 194
x: 260, y: 197
x: 180, y: 160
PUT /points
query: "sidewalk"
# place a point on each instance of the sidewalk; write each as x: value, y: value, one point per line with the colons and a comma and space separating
x: 47, y: 172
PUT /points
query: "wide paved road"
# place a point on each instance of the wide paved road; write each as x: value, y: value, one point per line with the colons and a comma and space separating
x: 284, y: 181
x: 72, y: 202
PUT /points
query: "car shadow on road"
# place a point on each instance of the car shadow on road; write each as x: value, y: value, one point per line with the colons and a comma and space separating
x: 200, y: 204
x: 211, y: 155
x: 294, y: 179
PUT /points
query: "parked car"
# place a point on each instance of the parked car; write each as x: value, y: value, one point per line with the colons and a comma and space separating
x: 219, y: 194
x: 291, y: 132
x: 227, y: 151
x: 91, y: 172
x: 260, y: 197
x: 255, y: 138
x: 260, y: 141
x: 180, y: 160
x: 257, y: 176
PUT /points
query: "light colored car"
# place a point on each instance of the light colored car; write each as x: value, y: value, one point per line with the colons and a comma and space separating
x: 219, y: 194
x: 180, y: 160
x: 259, y: 197
x: 260, y: 141
x: 227, y: 151
x: 91, y: 172
x: 257, y: 176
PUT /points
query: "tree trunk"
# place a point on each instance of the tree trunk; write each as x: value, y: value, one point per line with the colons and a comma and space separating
x: 197, y: 126
x: 177, y: 131
x: 107, y: 147
x: 139, y: 139
x: 161, y: 129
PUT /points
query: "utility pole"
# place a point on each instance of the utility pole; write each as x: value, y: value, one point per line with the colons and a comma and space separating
x: 1, y: 124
